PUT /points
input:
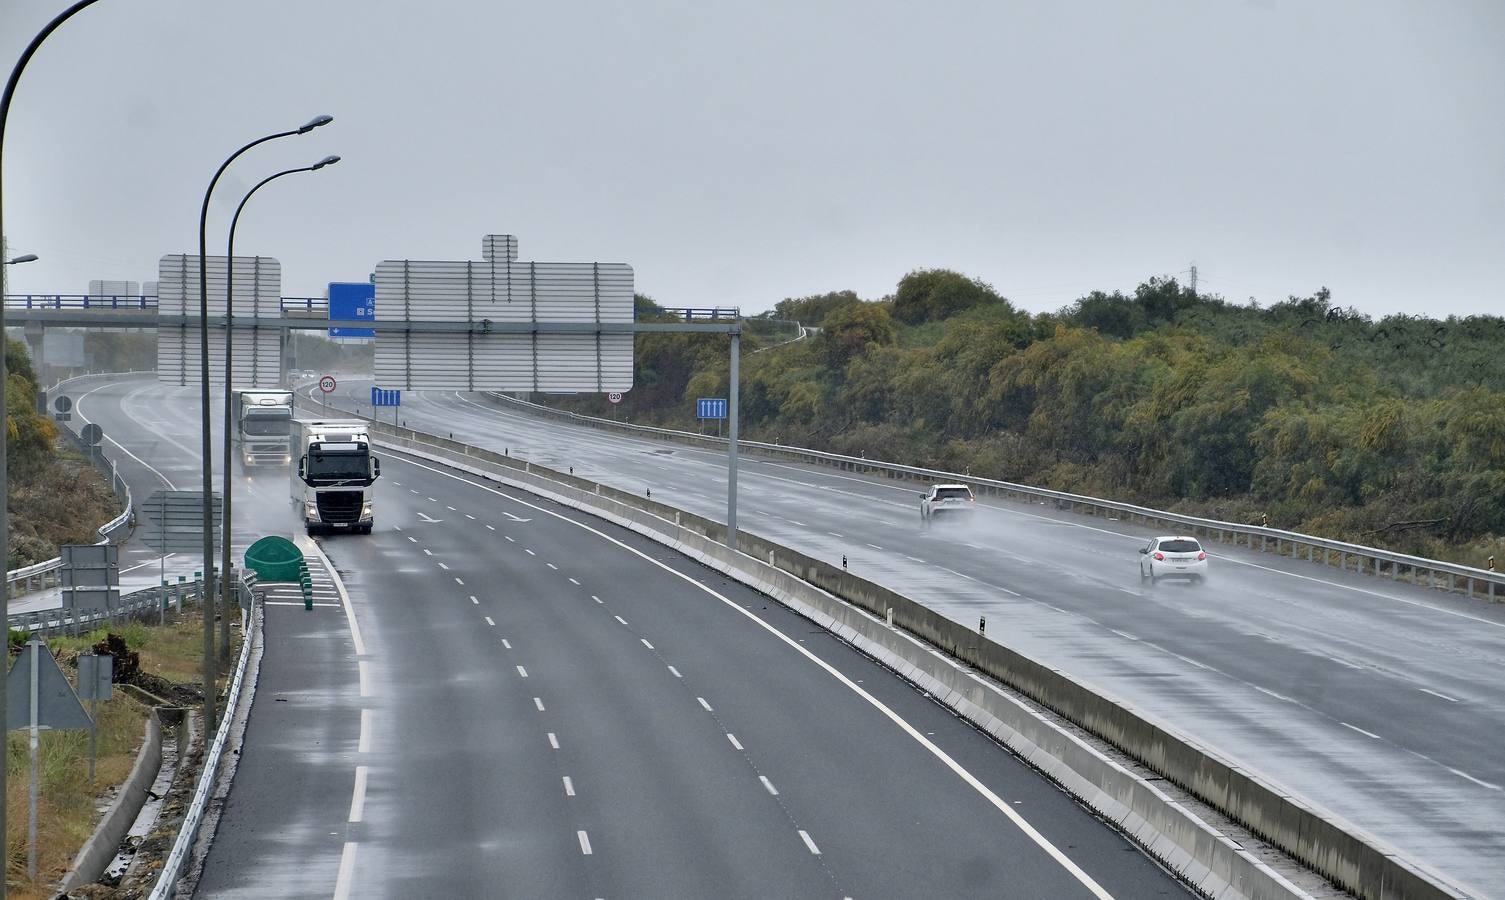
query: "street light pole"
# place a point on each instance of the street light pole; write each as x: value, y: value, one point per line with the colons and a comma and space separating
x: 5, y: 100
x: 207, y: 444
x: 229, y: 424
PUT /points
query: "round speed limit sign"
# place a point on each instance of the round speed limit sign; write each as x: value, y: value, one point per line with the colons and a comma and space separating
x: 614, y: 397
x: 326, y: 384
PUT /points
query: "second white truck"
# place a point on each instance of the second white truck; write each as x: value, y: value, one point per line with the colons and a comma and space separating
x: 333, y: 475
x: 262, y: 425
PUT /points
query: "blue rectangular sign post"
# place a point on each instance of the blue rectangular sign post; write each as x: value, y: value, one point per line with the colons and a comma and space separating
x: 352, y: 300
x: 710, y: 408
x: 383, y: 397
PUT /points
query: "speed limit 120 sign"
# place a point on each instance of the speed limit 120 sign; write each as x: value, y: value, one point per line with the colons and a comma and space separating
x: 326, y: 384
x: 614, y: 397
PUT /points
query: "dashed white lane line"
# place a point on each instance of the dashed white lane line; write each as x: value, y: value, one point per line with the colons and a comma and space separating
x: 474, y: 600
x: 675, y: 672
x: 1435, y: 694
x: 834, y: 534
x: 585, y: 842
x: 574, y: 582
x: 595, y: 598
x: 470, y: 517
x: 444, y: 567
x: 506, y: 644
x: 360, y: 669
x: 432, y: 500
x: 413, y: 539
x: 645, y: 643
x: 509, y: 538
x: 426, y: 551
x: 347, y: 872
x: 459, y: 582
x: 1281, y: 697
x: 804, y: 836
x: 620, y: 619
x: 491, y: 528
x: 944, y: 758
x: 705, y: 704
x: 489, y: 622
x: 733, y: 738
x: 875, y: 546
x: 529, y: 552
x: 914, y: 559
x: 364, y: 744
x: 1369, y: 734
x: 1346, y: 664
x: 411, y: 491
x: 569, y: 787
x: 800, y: 524
x: 1468, y: 777
x: 553, y: 740
x: 768, y: 785
x: 521, y: 672
x: 552, y: 566
x: 397, y: 527
x: 358, y: 799
x: 538, y: 702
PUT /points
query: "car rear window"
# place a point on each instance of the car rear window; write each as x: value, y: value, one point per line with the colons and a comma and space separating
x: 947, y: 493
x: 1183, y: 545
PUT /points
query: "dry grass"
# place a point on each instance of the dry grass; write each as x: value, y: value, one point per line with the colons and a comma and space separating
x: 69, y: 806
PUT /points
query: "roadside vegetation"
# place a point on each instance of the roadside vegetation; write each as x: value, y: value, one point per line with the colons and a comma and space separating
x: 70, y: 807
x: 1388, y: 432
x: 55, y: 495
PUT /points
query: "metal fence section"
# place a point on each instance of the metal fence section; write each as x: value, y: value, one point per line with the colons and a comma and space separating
x: 1374, y: 561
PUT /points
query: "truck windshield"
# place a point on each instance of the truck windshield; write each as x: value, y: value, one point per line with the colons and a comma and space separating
x: 271, y: 423
x: 337, y: 464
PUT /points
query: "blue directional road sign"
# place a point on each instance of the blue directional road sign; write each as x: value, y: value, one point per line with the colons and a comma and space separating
x: 352, y: 300
x: 710, y: 408
x: 382, y: 397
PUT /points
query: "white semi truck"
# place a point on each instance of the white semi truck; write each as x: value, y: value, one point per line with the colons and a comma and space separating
x: 333, y: 474
x: 262, y: 425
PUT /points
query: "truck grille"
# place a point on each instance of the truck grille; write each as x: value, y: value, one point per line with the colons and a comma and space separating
x: 339, y: 507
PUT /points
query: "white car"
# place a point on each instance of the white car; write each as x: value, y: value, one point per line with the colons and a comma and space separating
x: 1172, y: 556
x: 946, y: 500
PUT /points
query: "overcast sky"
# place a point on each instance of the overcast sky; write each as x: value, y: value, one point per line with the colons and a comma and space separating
x: 743, y: 153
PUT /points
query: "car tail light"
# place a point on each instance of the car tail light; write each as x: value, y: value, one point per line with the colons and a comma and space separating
x: 1201, y: 555
x: 1159, y: 556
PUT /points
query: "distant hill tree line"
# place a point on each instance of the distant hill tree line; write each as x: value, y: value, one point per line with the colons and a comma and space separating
x: 1388, y: 431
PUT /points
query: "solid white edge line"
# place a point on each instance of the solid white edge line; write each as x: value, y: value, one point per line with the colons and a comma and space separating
x: 347, y: 871
x: 358, y: 797
x: 1436, y: 694
x: 339, y: 586
x: 972, y: 781
x: 1361, y: 731
x: 1465, y: 775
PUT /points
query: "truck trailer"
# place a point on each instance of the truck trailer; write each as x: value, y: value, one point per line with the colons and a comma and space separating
x: 262, y: 425
x: 333, y: 475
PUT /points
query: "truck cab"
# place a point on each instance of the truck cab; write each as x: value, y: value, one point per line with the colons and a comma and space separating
x: 333, y: 476
x: 263, y: 421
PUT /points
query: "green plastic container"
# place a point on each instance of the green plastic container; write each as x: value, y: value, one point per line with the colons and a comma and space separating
x: 275, y: 558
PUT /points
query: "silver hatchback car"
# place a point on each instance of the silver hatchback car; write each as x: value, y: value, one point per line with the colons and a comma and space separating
x: 1175, y: 556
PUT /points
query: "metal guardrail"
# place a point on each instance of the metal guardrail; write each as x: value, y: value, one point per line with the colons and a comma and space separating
x: 37, y: 576
x: 691, y: 313
x: 61, y: 620
x: 1375, y: 561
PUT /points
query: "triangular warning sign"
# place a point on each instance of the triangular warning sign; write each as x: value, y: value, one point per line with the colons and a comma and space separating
x: 57, y: 705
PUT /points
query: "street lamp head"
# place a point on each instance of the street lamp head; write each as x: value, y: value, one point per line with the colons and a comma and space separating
x: 315, y: 122
x: 25, y: 257
x: 326, y: 161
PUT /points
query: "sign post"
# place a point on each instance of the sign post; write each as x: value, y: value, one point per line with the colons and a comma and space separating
x: 721, y: 409
x: 381, y: 397
x: 327, y: 385
x: 43, y: 699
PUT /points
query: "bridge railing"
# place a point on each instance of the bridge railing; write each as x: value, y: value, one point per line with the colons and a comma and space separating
x: 1374, y: 561
x: 135, y: 302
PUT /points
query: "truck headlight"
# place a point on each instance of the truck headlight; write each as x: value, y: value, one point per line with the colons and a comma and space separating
x: 311, y: 508
x: 365, y: 510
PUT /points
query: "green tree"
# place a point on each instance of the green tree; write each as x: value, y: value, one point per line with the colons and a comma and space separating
x: 929, y: 295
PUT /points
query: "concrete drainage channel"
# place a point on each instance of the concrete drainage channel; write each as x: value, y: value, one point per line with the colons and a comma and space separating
x: 974, y: 677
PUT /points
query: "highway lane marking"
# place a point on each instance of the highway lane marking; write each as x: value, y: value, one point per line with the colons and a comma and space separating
x: 489, y: 622
x: 363, y: 745
x: 470, y: 517
x: 733, y: 738
x: 459, y: 582
x: 1436, y: 694
x: 675, y: 672
x: 347, y: 872
x: 800, y: 524
x: 1369, y: 734
x: 529, y: 552
x: 552, y: 566
x: 1347, y: 664
x: 585, y: 842
x: 620, y: 619
x: 411, y: 491
x: 358, y: 799
x: 509, y: 538
x: 705, y: 704
x: 339, y: 586
x: 443, y: 566
x: 553, y: 741
x: 538, y: 702
x: 875, y: 546
x: 152, y: 562
x: 474, y: 600
x: 1281, y: 697
x: 521, y: 672
x: 396, y: 527
x: 397, y: 483
x: 574, y: 582
x: 78, y: 405
x: 805, y: 836
x: 834, y: 534
x: 1465, y: 775
x: 506, y: 645
x: 361, y: 673
x: 426, y: 551
x: 595, y: 598
x: 493, y: 528
x: 410, y: 537
x: 569, y: 787
x: 432, y: 500
x: 451, y: 509
x: 914, y: 559
x: 944, y: 758
x: 645, y: 643
x: 768, y: 785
